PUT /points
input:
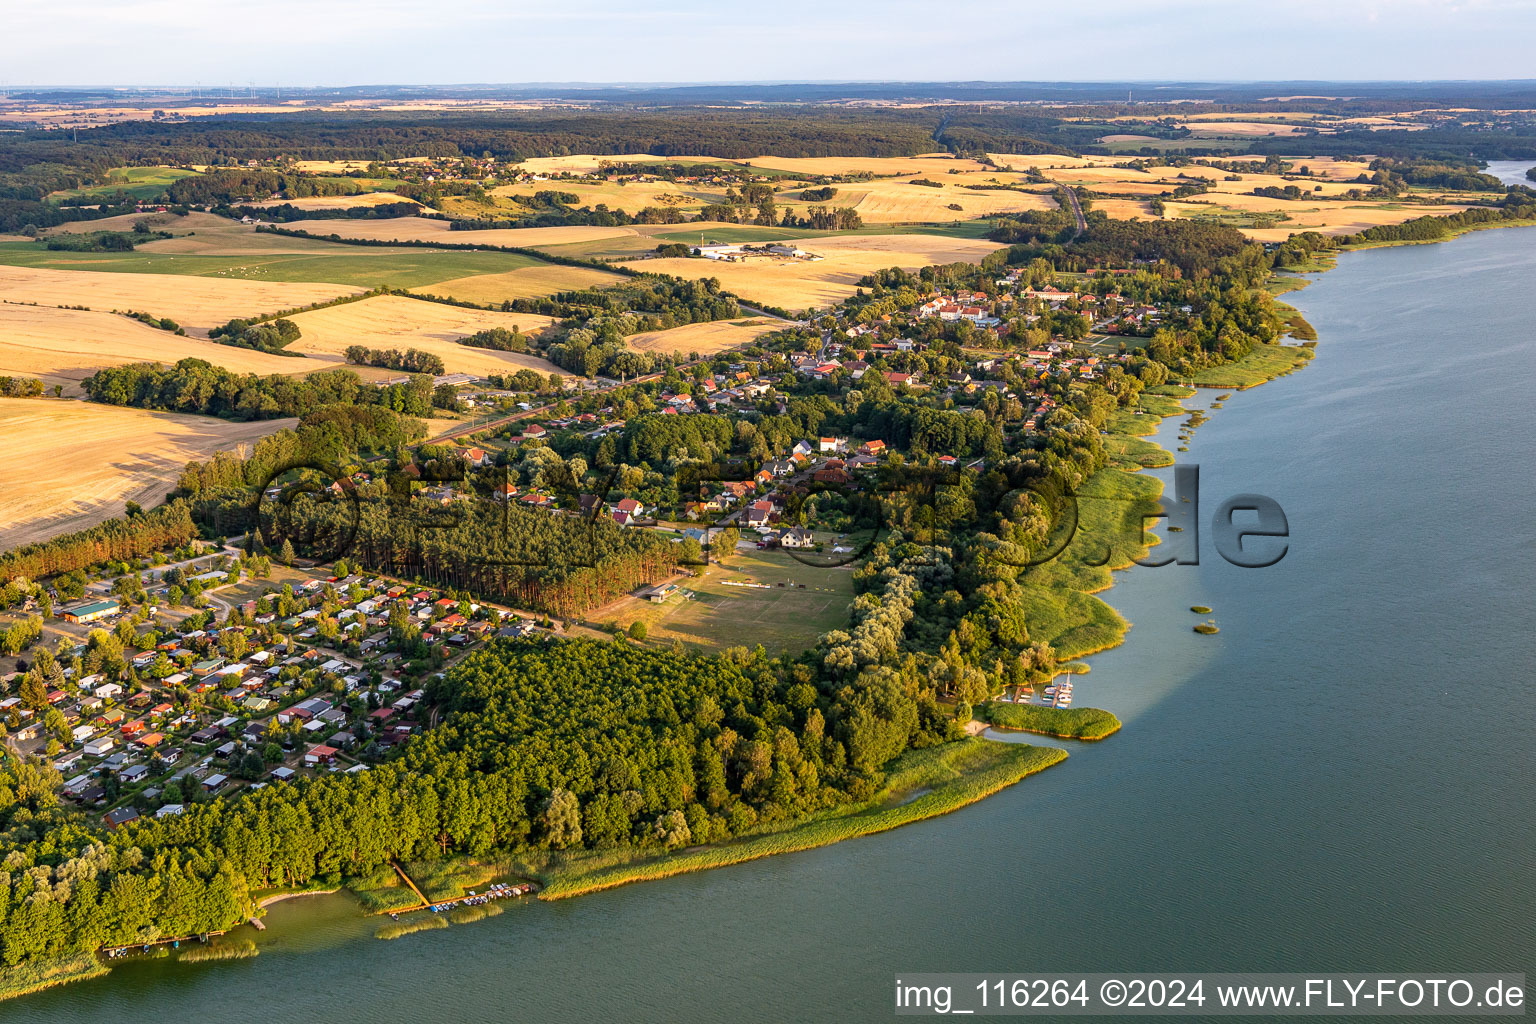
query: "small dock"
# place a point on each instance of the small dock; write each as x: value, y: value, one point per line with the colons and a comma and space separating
x: 113, y: 952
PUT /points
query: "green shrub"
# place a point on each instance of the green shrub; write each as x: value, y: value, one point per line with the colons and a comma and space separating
x: 1067, y: 723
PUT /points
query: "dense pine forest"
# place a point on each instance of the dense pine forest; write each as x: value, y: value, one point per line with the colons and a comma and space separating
x: 557, y: 745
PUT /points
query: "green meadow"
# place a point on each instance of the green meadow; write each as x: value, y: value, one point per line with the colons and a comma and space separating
x: 364, y: 267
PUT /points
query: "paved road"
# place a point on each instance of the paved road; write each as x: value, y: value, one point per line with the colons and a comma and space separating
x: 1077, y: 211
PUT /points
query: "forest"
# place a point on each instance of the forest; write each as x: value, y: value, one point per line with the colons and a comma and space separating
x: 194, y: 385
x: 116, y: 540
x: 411, y: 360
x: 546, y: 745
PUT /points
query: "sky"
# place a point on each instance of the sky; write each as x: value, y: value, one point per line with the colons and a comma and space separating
x: 365, y: 42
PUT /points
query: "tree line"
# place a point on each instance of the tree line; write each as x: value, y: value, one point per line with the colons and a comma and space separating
x: 411, y: 360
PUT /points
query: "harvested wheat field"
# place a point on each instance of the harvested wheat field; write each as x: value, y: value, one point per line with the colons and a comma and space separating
x: 1209, y: 129
x: 705, y: 339
x: 1330, y: 218
x: 64, y: 346
x: 523, y: 283
x: 199, y: 234
x: 339, y: 202
x: 73, y: 464
x: 1049, y: 161
x: 195, y: 221
x: 901, y: 202
x: 200, y: 302
x: 427, y: 229
x: 620, y: 195
x: 802, y: 284
x: 924, y: 164
x: 1124, y: 209
x: 393, y: 321
x: 587, y: 163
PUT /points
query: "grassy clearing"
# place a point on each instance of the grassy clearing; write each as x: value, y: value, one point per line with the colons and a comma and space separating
x: 920, y: 784
x: 25, y: 979
x: 1111, y: 509
x: 400, y: 929
x: 244, y: 949
x: 1136, y: 453
x: 1265, y: 362
x: 139, y: 182
x: 1168, y: 391
x: 1064, y: 723
x: 782, y: 617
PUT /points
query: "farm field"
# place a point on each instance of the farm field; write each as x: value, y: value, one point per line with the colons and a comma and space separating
x: 527, y: 282
x: 196, y: 233
x: 392, y: 321
x: 1333, y: 218
x: 198, y: 302
x: 899, y: 201
x: 720, y: 615
x: 64, y: 346
x: 922, y: 164
x: 73, y: 464
x: 428, y: 229
x: 139, y: 182
x: 339, y: 202
x: 705, y: 339
x: 343, y: 268
x: 801, y: 284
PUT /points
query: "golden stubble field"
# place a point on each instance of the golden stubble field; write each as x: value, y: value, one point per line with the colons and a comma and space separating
x: 339, y: 202
x: 392, y: 321
x: 802, y: 284
x: 705, y: 339
x: 428, y: 229
x: 193, y: 302
x: 204, y: 234
x: 64, y: 346
x: 522, y: 283
x: 72, y: 464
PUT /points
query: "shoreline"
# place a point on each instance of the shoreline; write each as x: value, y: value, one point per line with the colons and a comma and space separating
x: 967, y: 785
x: 275, y: 898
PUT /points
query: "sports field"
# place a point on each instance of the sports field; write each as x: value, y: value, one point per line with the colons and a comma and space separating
x: 72, y: 464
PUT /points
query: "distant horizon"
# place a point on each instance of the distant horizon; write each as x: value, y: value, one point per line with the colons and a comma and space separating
x: 316, y: 43
x: 268, y: 86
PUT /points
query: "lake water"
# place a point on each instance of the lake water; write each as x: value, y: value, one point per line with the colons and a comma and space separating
x: 1342, y: 779
x: 1511, y: 172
